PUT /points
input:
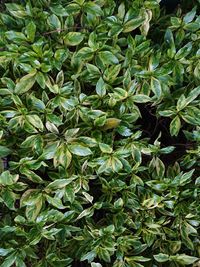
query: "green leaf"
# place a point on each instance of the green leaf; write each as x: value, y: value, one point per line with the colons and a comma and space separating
x: 192, y: 27
x: 190, y: 16
x: 85, y: 53
x: 7, y: 179
x: 31, y: 175
x: 32, y: 211
x: 73, y: 38
x: 71, y: 133
x: 40, y: 78
x: 184, y: 259
x: 87, y: 212
x: 100, y: 121
x: 60, y: 183
x: 108, y: 58
x: 4, y: 151
x: 73, y: 8
x: 105, y: 148
x: 49, y: 151
x: 25, y: 83
x: 35, y: 121
x: 59, y: 10
x: 94, y: 264
x: 121, y: 11
x: 181, y: 103
x: 4, y: 252
x: 51, y: 127
x: 9, y: 261
x: 167, y: 150
x: 124, y: 131
x: 15, y: 36
x: 161, y: 257
x: 37, y: 103
x: 100, y: 88
x: 9, y: 198
x: 30, y: 31
x: 80, y: 150
x: 185, y: 232
x: 175, y: 246
x: 184, y: 51
x: 118, y: 203
x: 167, y: 113
x: 197, y: 181
x: 30, y: 197
x: 19, y: 262
x: 70, y: 194
x: 111, y: 73
x: 104, y: 254
x: 132, y: 24
x: 56, y: 202
x: 190, y: 118
x: 186, y: 177
x: 169, y: 38
x: 93, y: 8
x: 91, y: 142
x: 138, y: 258
x: 88, y: 256
x: 193, y: 95
x: 54, y: 22
x: 156, y: 87
x: 139, y: 98
x: 116, y: 164
x: 175, y: 126
x: 16, y: 10
x: 50, y: 234
x: 160, y: 168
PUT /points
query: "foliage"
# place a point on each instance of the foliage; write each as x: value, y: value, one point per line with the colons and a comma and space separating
x: 99, y: 134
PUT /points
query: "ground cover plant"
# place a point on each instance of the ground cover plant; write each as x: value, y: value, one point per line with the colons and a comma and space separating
x: 99, y: 133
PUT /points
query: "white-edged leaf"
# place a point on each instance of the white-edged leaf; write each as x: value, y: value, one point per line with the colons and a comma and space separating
x: 25, y: 83
x: 57, y: 184
x: 175, y: 126
x: 161, y: 257
x: 73, y: 38
x: 80, y: 150
x: 156, y: 87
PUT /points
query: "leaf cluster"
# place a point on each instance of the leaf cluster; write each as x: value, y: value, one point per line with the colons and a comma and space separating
x: 99, y: 134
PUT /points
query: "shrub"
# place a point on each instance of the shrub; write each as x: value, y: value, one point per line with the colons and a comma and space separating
x: 100, y: 134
